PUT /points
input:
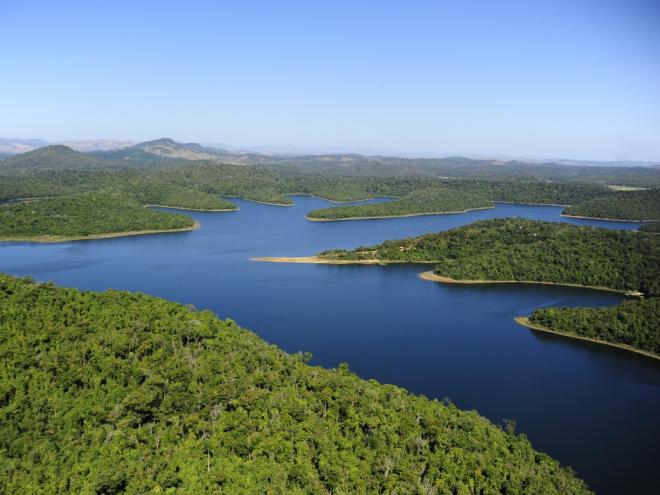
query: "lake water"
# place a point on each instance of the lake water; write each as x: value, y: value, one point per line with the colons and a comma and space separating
x: 592, y: 407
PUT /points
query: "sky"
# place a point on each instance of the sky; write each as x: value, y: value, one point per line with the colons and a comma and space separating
x: 555, y: 79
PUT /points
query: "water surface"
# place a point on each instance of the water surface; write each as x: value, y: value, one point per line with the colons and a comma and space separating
x: 592, y: 407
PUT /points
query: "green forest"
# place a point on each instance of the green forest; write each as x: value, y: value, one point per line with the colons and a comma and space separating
x: 83, y: 215
x: 421, y: 201
x: 187, y: 403
x: 632, y: 323
x: 626, y: 205
x: 58, y: 171
x: 653, y: 227
x: 519, y: 249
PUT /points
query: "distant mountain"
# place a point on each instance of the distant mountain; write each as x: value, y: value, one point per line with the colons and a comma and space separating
x: 13, y: 146
x: 167, y: 152
x: 16, y: 146
x: 53, y: 157
x: 166, y: 148
x: 98, y: 144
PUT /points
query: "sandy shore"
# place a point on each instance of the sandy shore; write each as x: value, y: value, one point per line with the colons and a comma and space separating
x: 58, y: 238
x: 398, y: 216
x: 524, y: 321
x: 447, y: 280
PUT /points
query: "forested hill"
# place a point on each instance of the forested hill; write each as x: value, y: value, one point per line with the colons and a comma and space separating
x: 626, y: 205
x: 519, y: 249
x: 159, y: 152
x: 116, y: 392
x: 158, y: 172
x: 51, y: 158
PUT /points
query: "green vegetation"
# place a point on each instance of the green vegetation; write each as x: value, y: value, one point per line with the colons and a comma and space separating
x: 518, y: 249
x: 114, y: 392
x: 155, y: 173
x: 56, y: 157
x: 162, y: 193
x: 58, y: 170
x: 652, y: 227
x: 464, y: 168
x: 439, y: 196
x: 421, y: 201
x: 627, y: 205
x: 632, y: 323
x: 83, y: 215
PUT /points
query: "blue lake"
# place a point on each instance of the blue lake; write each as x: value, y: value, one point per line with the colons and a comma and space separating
x: 592, y: 407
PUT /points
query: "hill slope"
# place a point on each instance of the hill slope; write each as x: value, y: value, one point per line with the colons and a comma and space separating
x: 124, y: 393
x: 53, y: 158
x: 628, y: 205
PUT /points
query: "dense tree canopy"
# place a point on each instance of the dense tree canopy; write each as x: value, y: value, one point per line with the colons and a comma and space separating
x: 653, y: 227
x: 104, y: 393
x: 632, y: 323
x: 519, y: 249
x: 82, y: 215
x: 625, y: 205
x: 421, y: 201
x: 201, y: 184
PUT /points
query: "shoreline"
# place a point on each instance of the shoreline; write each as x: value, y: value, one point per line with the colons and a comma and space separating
x: 190, y: 209
x: 315, y: 260
x: 432, y: 277
x: 335, y: 200
x: 530, y: 204
x: 524, y: 321
x: 607, y: 219
x: 47, y: 239
x: 312, y: 219
x: 260, y: 202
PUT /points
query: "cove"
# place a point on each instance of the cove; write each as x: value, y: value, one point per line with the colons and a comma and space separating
x: 593, y: 408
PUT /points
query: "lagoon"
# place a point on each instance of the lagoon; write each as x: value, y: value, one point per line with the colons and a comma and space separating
x: 592, y: 407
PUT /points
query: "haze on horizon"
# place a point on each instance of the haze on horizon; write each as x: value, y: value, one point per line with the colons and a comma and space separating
x: 566, y: 79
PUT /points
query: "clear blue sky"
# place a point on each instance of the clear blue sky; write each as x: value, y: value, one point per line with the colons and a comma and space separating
x: 562, y: 78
